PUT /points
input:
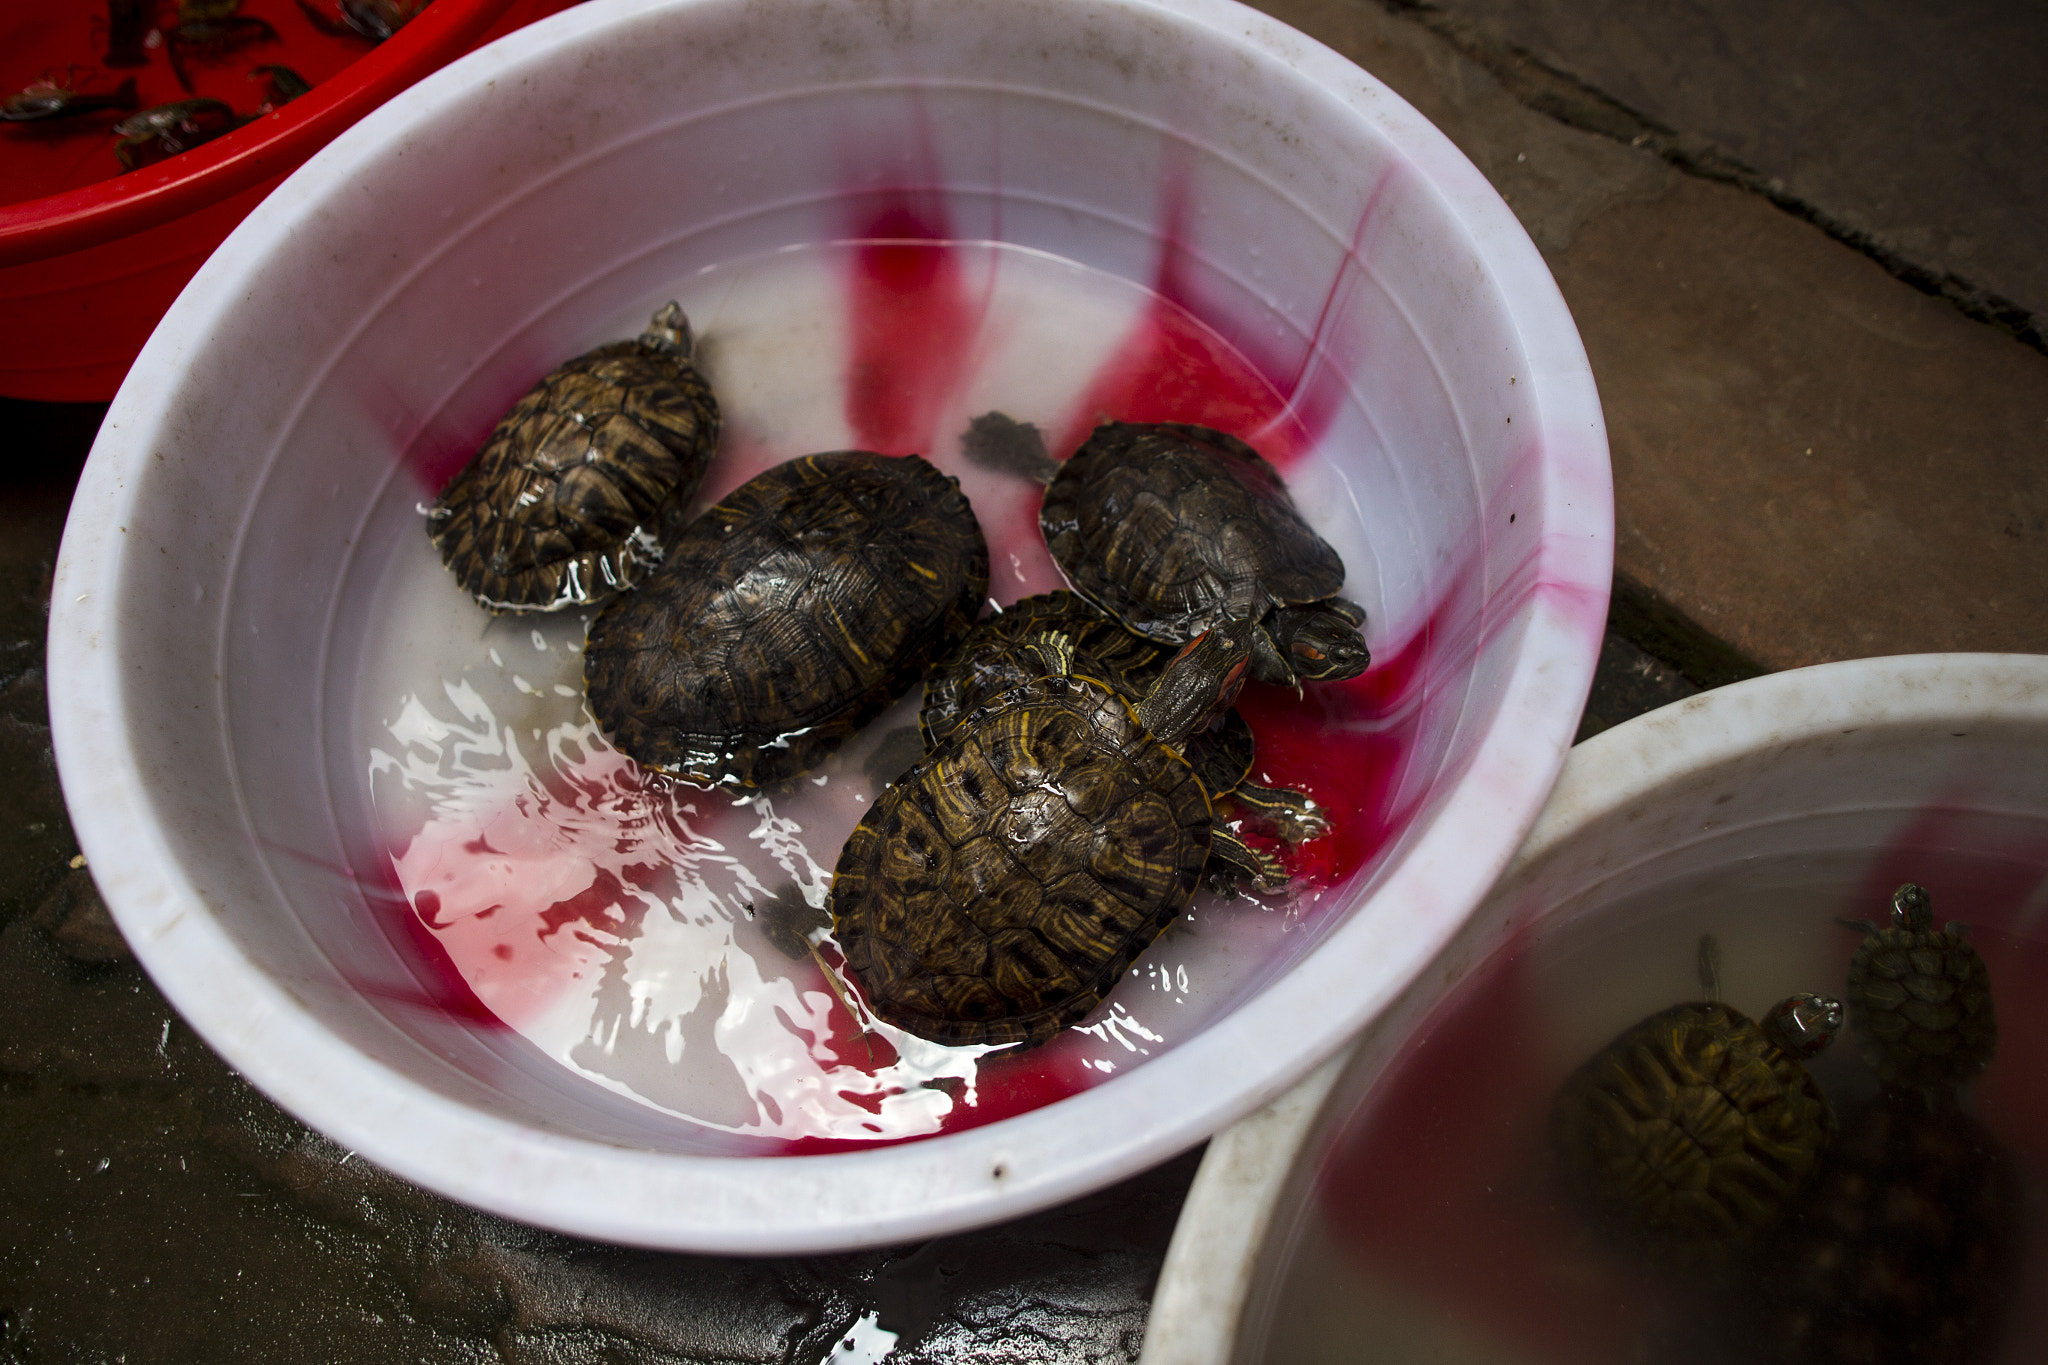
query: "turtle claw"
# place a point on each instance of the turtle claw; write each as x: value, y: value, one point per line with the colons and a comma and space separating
x: 1232, y: 859
x: 1292, y: 815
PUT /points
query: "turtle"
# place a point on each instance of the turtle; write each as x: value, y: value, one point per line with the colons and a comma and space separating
x: 999, y: 654
x: 1920, y: 999
x: 995, y: 893
x: 1905, y: 1248
x: 786, y: 617
x: 1173, y: 528
x: 573, y: 495
x: 1690, y: 1134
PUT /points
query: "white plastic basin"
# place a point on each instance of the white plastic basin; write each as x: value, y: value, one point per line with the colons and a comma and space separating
x: 1763, y: 813
x: 280, y: 728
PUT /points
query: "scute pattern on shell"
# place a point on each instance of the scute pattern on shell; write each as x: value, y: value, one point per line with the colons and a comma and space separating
x: 1920, y: 1002
x: 996, y: 892
x: 786, y: 617
x: 1160, y: 524
x: 570, y: 498
x: 1690, y: 1134
x: 995, y: 657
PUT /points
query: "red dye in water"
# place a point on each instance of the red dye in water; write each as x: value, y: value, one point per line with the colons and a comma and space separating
x: 915, y: 313
x: 438, y: 984
x: 1440, y: 1185
x: 1347, y: 745
x: 1172, y: 368
x: 912, y: 321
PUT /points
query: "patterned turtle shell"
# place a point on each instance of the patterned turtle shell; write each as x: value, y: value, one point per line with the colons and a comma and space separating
x: 1173, y: 529
x: 570, y: 499
x: 997, y: 655
x: 1690, y: 1134
x: 996, y: 892
x: 786, y: 617
x: 1920, y: 998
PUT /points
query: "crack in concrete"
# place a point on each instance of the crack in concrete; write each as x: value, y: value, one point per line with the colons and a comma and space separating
x: 1562, y: 96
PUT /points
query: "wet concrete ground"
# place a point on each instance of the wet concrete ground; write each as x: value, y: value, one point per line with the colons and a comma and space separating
x: 1804, y: 247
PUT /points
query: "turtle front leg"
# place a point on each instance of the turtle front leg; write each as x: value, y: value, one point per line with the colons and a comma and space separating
x: 1286, y: 813
x: 1269, y: 660
x: 1232, y: 858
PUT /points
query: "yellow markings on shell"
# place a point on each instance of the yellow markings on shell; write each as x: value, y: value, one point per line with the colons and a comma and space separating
x: 846, y: 635
x: 922, y: 569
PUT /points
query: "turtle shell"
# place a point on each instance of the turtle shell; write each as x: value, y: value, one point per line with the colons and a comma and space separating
x: 786, y: 617
x: 571, y: 497
x: 1171, y: 527
x: 1920, y: 999
x: 996, y: 656
x: 996, y: 892
x: 1690, y: 1134
x: 1904, y: 1250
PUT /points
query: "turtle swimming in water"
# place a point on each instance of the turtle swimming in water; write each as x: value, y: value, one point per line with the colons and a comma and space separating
x: 996, y: 892
x: 581, y: 483
x: 999, y: 654
x: 1174, y: 528
x: 786, y: 617
x: 1690, y: 1134
x: 1920, y: 998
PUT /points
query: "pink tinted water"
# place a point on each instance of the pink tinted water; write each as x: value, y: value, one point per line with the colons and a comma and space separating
x: 1434, y: 1229
x: 546, y: 885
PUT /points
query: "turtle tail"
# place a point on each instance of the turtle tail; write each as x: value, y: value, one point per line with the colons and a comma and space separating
x: 1708, y: 961
x: 669, y: 332
x: 999, y: 442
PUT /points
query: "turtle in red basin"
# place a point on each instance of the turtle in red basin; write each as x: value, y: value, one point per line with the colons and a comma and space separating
x: 786, y: 617
x: 1174, y: 528
x: 999, y: 890
x: 573, y: 495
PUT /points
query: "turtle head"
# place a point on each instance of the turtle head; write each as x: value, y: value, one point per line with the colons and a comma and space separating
x: 1320, y: 642
x: 1803, y: 1024
x: 669, y: 332
x: 1912, y: 909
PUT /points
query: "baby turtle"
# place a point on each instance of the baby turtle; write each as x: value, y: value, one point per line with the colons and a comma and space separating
x: 1174, y: 528
x: 996, y: 892
x: 786, y: 617
x: 161, y: 132
x: 1920, y: 1000
x: 47, y: 100
x: 573, y: 495
x: 1691, y: 1133
x: 999, y: 654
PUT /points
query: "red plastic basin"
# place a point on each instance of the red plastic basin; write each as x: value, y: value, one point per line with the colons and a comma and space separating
x: 90, y: 265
